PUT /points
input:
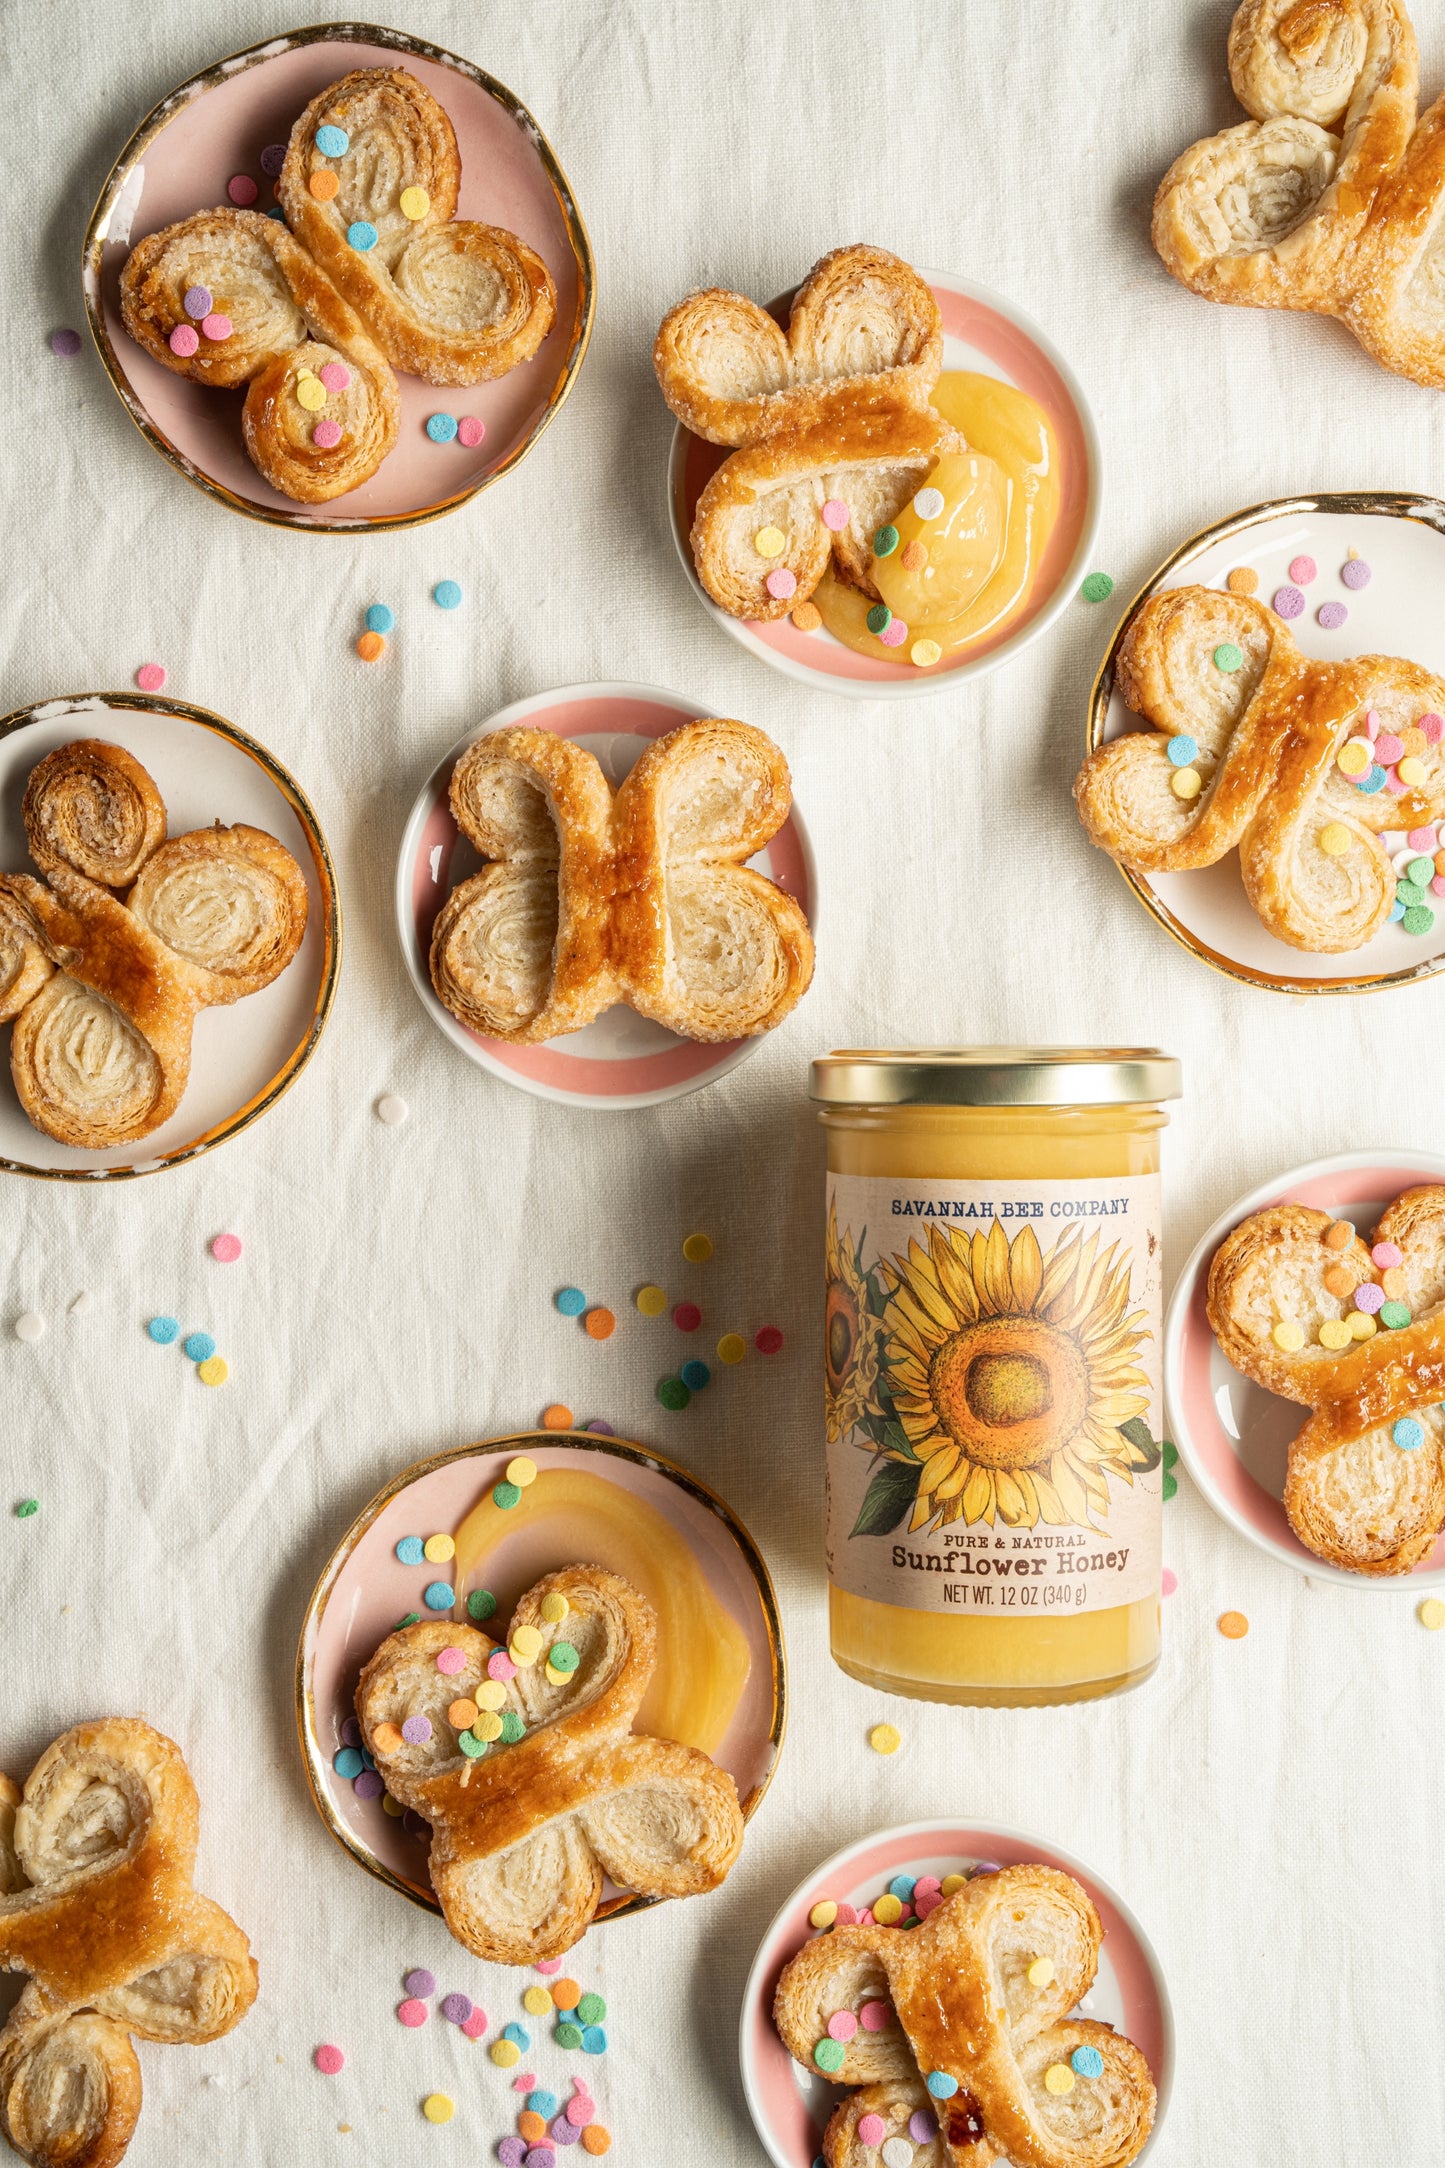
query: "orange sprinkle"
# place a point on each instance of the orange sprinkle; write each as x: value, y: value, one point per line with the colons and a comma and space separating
x: 807, y: 617
x: 531, y: 2126
x: 462, y: 1714
x: 914, y: 555
x: 1414, y: 741
x: 1440, y: 861
x: 386, y: 1738
x: 600, y: 1323
x: 1233, y: 1625
x: 556, y: 1417
x: 1394, y: 1283
x: 596, y: 2138
x: 371, y: 647
x: 566, y: 1994
x: 1244, y: 580
x: 323, y: 185
x: 1339, y: 1235
x: 1339, y: 1280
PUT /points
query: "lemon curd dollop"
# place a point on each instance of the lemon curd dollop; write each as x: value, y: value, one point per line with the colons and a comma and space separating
x: 959, y: 573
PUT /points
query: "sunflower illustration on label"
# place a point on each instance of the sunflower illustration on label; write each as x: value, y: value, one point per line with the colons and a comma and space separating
x: 991, y: 1389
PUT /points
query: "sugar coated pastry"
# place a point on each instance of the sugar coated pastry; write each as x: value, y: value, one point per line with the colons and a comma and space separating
x: 370, y: 188
x: 1354, y: 1331
x: 1327, y: 197
x: 546, y: 1787
x: 99, y: 1909
x: 230, y: 298
x: 103, y: 992
x: 591, y: 898
x: 959, y: 2034
x: 834, y: 411
x: 1299, y: 765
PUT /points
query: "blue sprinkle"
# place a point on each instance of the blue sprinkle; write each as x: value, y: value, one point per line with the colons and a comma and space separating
x: 1408, y: 1434
x: 1372, y: 782
x: 277, y: 213
x: 571, y: 1301
x: 1087, y: 2063
x: 163, y: 1330
x: 695, y: 1375
x: 439, y: 1596
x: 941, y: 2085
x: 594, y: 2040
x: 379, y: 618
x: 347, y: 1763
x: 543, y: 2104
x: 361, y: 235
x: 1397, y: 912
x: 1183, y: 751
x: 332, y: 142
x: 200, y: 1347
x: 441, y: 428
x: 518, y: 2035
x: 902, y: 1885
x: 411, y: 1550
x: 448, y: 596
x: 368, y: 1757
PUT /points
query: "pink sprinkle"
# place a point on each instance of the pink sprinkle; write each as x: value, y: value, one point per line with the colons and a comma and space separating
x: 835, y: 514
x: 781, y: 583
x: 226, y: 1249
x: 929, y: 1902
x: 926, y: 1885
x: 1372, y: 724
x: 242, y: 189
x: 475, y: 2025
x: 184, y: 340
x: 875, y: 2015
x: 525, y: 2082
x: 1393, y: 785
x: 1302, y: 570
x: 1438, y: 884
x: 1432, y: 725
x: 217, y: 327
x: 328, y: 2060
x: 865, y: 1917
x: 151, y: 676
x: 470, y: 430
x: 905, y: 1914
x: 1424, y: 839
x: 871, y: 2129
x: 334, y: 375
x: 327, y: 433
x: 1386, y: 1254
x: 1388, y: 748
x: 1168, y: 1581
x: 500, y: 1666
x: 846, y: 1917
x: 579, y: 2111
x: 451, y: 1660
x: 549, y: 1964
x: 842, y: 2025
x: 894, y: 633
x: 412, y: 2012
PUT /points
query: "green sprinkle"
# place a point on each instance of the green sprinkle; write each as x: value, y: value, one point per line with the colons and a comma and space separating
x: 413, y: 1618
x: 591, y: 2010
x: 512, y: 1727
x: 473, y: 1747
x: 828, y: 2055
x: 506, y: 1495
x: 673, y: 1393
x: 1171, y: 1485
x: 568, y: 2036
x: 1171, y: 1453
x: 1420, y: 872
x: 563, y: 1657
x: 27, y: 1508
x: 1097, y: 587
x: 1228, y: 657
x: 1394, y: 1314
x: 481, y: 1603
x: 885, y: 542
x: 1417, y: 919
x: 879, y: 618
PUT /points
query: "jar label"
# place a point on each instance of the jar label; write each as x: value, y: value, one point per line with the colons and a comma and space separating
x: 992, y: 1376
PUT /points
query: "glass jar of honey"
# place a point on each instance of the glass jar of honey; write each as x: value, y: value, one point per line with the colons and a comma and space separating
x: 992, y: 1369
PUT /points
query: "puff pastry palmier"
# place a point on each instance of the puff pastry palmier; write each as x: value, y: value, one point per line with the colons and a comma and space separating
x: 641, y: 897
x: 445, y: 298
x: 276, y: 323
x: 523, y: 1832
x: 98, y: 1907
x: 1365, y: 1486
x: 92, y: 807
x: 834, y: 410
x: 1267, y: 736
x: 961, y: 2003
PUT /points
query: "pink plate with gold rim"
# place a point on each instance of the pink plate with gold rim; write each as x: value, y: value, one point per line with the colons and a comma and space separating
x: 620, y: 1059
x: 986, y: 334
x: 790, y: 2106
x: 1232, y: 1435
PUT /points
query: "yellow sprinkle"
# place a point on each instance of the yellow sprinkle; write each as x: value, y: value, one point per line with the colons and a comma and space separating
x: 1354, y: 757
x: 1059, y: 2078
x: 651, y: 1301
x: 926, y: 653
x: 770, y: 541
x: 1041, y: 1972
x: 1362, y: 1325
x: 521, y: 1471
x: 437, y: 2108
x: 824, y: 1914
x: 214, y: 1370
x: 731, y: 1348
x: 1432, y: 1614
x: 1335, y: 1332
x: 1335, y: 840
x: 697, y: 1249
x: 415, y: 203
x: 885, y: 1738
x: 525, y: 1645
x: 554, y: 1607
x: 1186, y: 782
x: 491, y: 1694
x: 556, y: 1677
x: 537, y: 2001
x: 952, y: 1882
x: 311, y: 392
x: 888, y: 1909
x: 1289, y: 1335
x: 391, y: 1806
x: 1411, y: 771
x: 439, y: 1549
x: 504, y: 2053
x: 488, y: 1725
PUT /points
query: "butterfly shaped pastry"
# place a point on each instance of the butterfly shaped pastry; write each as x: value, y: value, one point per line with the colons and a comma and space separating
x: 1298, y: 765
x: 591, y: 898
x: 1327, y: 197
x: 107, y: 961
x: 524, y: 1761
x: 1356, y: 1333
x: 99, y: 1910
x: 833, y: 412
x: 959, y: 2037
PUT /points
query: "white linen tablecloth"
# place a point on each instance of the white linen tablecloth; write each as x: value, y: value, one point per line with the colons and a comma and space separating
x: 1270, y: 1809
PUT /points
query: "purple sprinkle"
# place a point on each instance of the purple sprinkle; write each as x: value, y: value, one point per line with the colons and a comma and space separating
x: 351, y: 1732
x: 198, y: 302
x: 272, y: 159
x: 1369, y: 1299
x: 1288, y: 602
x: 564, y: 2133
x: 415, y: 1825
x: 65, y: 342
x: 984, y: 1866
x: 511, y: 2152
x: 368, y: 1785
x: 602, y: 1430
x: 539, y: 2156
x: 416, y: 1730
x: 922, y: 2126
x: 458, y: 2008
x: 1331, y: 615
x: 1355, y: 572
x: 421, y: 1983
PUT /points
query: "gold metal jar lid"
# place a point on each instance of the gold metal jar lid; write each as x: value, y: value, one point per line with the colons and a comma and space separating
x: 995, y: 1076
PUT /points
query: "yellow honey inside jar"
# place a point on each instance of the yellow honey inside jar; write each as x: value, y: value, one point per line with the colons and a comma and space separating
x: 992, y: 1369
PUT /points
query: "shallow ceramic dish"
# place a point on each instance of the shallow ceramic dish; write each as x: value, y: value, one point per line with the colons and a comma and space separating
x: 986, y: 334
x: 790, y: 2105
x: 243, y: 1057
x: 1402, y: 539
x: 364, y: 1589
x: 620, y: 1059
x: 180, y: 160
x: 1232, y: 1435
